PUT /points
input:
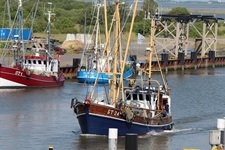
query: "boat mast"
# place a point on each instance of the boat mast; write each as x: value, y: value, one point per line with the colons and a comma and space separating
x: 97, y: 29
x: 97, y: 37
x: 152, y: 48
x: 107, y: 36
x: 49, y: 34
x: 105, y: 50
x: 126, y: 51
x: 151, y: 45
x: 32, y: 24
x: 20, y: 36
x: 2, y: 57
x: 9, y: 14
x: 115, y: 58
x: 84, y: 48
x: 49, y: 26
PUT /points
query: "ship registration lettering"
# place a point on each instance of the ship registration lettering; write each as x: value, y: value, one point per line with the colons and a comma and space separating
x: 113, y: 112
x: 18, y: 73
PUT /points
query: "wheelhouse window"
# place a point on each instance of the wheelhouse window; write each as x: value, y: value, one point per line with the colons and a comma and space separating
x: 135, y: 97
x: 148, y: 97
x: 128, y: 96
x: 141, y: 96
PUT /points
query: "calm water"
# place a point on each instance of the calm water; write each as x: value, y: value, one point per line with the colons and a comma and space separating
x: 37, y: 118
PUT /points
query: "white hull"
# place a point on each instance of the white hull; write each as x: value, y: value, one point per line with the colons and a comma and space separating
x: 6, y: 83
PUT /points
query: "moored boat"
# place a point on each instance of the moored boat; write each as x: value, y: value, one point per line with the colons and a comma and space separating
x: 95, y: 65
x: 33, y: 66
x: 84, y: 76
x: 141, y: 107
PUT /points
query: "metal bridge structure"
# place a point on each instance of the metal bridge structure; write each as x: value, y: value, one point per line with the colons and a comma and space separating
x: 172, y: 34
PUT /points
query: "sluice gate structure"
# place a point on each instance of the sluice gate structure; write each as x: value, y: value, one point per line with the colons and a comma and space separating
x: 173, y: 41
x: 177, y: 50
x: 172, y: 34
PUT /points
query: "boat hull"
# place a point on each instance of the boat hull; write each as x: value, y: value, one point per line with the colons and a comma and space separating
x: 97, y: 119
x: 90, y: 76
x: 17, y: 78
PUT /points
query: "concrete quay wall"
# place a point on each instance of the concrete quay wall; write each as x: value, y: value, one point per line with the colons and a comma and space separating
x: 170, y: 65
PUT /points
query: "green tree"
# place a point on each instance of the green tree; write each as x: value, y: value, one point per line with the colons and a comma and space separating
x: 150, y: 6
x: 179, y: 11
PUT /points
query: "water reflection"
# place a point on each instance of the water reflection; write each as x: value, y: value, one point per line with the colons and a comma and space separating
x: 160, y: 141
x: 154, y: 141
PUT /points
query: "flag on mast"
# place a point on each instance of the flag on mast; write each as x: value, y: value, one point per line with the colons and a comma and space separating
x: 140, y: 38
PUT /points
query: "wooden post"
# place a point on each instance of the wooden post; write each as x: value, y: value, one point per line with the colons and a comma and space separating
x: 131, y: 142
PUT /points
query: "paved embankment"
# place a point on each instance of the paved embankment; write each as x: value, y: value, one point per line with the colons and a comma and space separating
x: 135, y: 49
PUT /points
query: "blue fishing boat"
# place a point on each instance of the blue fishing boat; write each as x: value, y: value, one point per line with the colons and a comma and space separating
x: 95, y: 66
x: 141, y: 106
x: 103, y: 77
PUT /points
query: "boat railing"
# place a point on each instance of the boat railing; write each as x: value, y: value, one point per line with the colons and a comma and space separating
x: 147, y: 109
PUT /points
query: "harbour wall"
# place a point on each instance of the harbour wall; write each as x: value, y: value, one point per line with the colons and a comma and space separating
x: 166, y: 64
